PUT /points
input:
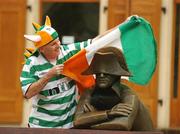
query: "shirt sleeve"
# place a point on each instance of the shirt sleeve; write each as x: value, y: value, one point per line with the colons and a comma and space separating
x: 84, y: 44
x: 79, y: 45
x: 27, y: 76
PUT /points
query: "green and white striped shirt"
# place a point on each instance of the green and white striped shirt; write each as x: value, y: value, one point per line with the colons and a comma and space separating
x: 51, y: 108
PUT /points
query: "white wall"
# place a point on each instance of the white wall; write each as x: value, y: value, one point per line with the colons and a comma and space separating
x: 103, y: 16
x: 165, y: 64
x: 31, y: 16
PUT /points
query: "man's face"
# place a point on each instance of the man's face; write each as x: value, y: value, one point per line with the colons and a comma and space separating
x: 51, y: 49
x: 104, y: 81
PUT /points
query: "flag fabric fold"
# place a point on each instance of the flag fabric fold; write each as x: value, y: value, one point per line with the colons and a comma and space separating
x: 75, y: 65
x: 134, y: 38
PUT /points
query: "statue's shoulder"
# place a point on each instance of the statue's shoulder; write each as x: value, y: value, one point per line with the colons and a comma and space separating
x: 122, y: 86
x: 127, y: 89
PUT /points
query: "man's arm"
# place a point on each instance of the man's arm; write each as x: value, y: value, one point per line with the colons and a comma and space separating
x: 37, y: 86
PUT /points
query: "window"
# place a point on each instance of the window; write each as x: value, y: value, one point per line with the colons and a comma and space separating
x: 176, y: 53
x: 78, y: 21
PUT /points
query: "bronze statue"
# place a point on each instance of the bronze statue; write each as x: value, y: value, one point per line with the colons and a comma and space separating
x: 110, y: 104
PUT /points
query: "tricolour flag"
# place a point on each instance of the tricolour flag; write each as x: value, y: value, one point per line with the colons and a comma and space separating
x: 134, y: 38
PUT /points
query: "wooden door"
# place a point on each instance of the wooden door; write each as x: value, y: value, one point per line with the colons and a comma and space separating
x: 175, y: 70
x: 119, y: 10
x: 12, y: 25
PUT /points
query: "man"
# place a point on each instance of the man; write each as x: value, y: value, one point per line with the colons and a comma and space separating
x: 110, y: 104
x: 53, y: 95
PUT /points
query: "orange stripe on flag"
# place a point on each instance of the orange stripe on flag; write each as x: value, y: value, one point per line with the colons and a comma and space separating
x: 74, y: 66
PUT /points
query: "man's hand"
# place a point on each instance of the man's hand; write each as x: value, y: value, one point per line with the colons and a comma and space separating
x: 120, y: 109
x: 56, y: 70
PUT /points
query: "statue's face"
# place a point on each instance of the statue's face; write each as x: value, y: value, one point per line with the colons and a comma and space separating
x: 104, y: 81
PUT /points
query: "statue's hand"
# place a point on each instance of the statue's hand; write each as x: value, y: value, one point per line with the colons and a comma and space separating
x: 88, y: 107
x: 120, y: 109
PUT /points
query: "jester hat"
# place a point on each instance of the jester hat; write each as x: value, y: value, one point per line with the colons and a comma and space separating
x: 28, y: 53
x: 43, y: 35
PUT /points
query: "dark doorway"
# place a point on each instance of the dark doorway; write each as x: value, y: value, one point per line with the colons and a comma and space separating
x: 175, y: 82
x: 79, y: 21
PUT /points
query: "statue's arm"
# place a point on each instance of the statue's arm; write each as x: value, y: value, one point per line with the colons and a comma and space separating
x: 86, y: 114
x: 133, y: 101
x: 122, y: 115
x: 89, y: 118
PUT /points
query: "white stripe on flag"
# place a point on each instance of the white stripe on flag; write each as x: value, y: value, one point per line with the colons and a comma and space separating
x: 111, y: 39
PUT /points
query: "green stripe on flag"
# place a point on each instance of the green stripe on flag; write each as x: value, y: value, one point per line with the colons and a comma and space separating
x: 139, y: 48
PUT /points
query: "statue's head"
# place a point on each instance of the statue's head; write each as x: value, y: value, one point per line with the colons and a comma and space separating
x: 108, y: 64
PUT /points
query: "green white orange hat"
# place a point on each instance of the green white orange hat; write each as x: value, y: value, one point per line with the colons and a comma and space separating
x: 43, y: 35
